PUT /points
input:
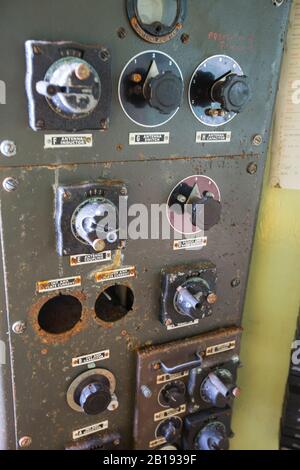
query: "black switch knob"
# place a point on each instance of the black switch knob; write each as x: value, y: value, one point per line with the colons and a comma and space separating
x: 213, y: 437
x: 95, y: 397
x: 212, y: 211
x: 170, y: 430
x: 218, y: 389
x: 233, y: 92
x: 173, y: 394
x: 164, y: 92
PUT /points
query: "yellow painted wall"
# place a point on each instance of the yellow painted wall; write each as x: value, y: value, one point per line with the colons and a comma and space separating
x: 270, y: 316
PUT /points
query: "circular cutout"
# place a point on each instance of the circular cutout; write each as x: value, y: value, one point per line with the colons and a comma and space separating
x: 114, y: 303
x: 60, y: 314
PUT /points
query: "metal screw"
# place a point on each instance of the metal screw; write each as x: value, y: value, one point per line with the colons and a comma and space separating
x: 124, y: 191
x: 235, y: 282
x: 168, y: 322
x: 146, y: 391
x: 10, y: 184
x: 257, y: 140
x: 116, y: 442
x: 185, y: 38
x: 252, y: 168
x: 40, y: 124
x: 104, y: 123
x: 25, y: 441
x: 235, y: 359
x: 19, y: 327
x: 8, y: 148
x: 104, y: 54
x: 122, y: 33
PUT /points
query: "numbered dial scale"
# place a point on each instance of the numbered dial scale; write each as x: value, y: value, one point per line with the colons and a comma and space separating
x: 151, y: 88
x: 218, y: 91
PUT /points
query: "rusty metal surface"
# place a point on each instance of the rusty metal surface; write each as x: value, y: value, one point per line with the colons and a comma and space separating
x: 41, y: 365
x: 148, y: 371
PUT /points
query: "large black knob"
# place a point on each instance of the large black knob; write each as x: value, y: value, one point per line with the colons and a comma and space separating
x: 164, y: 92
x: 218, y: 389
x: 95, y: 397
x: 233, y: 92
x: 213, y: 437
x: 170, y: 430
x: 173, y: 394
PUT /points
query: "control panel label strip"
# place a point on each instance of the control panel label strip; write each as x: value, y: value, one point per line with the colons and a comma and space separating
x: 190, y: 243
x: 77, y: 260
x: 182, y: 325
x: 220, y: 348
x: 164, y: 378
x: 58, y: 284
x: 89, y: 430
x: 67, y: 141
x: 112, y: 275
x: 149, y: 138
x: 213, y: 137
x: 169, y: 413
x: 90, y: 358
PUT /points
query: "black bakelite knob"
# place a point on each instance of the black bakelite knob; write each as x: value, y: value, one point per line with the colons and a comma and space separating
x: 164, y: 92
x: 173, y: 394
x: 95, y: 397
x: 170, y: 430
x: 233, y: 93
x: 212, y: 212
x: 212, y: 437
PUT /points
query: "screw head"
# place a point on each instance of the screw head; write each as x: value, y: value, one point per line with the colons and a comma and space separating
x: 19, y: 327
x: 40, y: 124
x: 8, y: 148
x: 25, y: 441
x: 10, y: 184
x: 235, y: 282
x: 104, y: 55
x: 257, y: 140
x: 185, y: 38
x: 123, y: 191
x: 168, y: 322
x: 122, y: 33
x: 82, y: 72
x: 212, y: 298
x: 146, y: 391
x: 252, y: 168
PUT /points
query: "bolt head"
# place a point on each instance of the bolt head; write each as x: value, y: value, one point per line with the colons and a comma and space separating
x: 212, y: 298
x: 257, y: 140
x: 235, y: 282
x: 252, y: 168
x: 10, y: 184
x: 8, y: 148
x: 25, y: 441
x: 19, y: 327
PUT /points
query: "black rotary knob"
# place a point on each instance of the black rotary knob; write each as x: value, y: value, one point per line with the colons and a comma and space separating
x: 233, y: 92
x: 212, y: 211
x: 164, y: 92
x: 213, y: 437
x: 95, y: 397
x: 170, y: 430
x: 173, y: 394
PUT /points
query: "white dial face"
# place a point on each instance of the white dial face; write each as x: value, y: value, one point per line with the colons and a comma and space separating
x: 162, y: 11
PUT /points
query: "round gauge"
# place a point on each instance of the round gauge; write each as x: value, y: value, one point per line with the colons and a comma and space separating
x: 194, y: 205
x: 151, y: 88
x: 156, y: 21
x: 71, y: 87
x: 218, y: 91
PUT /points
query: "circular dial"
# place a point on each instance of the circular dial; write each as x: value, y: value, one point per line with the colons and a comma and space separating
x: 94, y: 222
x: 194, y: 205
x: 212, y: 437
x: 156, y: 21
x: 170, y: 430
x: 218, y: 90
x: 195, y: 298
x: 95, y: 397
x: 218, y: 388
x: 71, y: 87
x: 151, y: 89
x: 173, y: 394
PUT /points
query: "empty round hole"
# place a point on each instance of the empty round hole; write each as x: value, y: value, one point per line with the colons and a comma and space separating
x: 114, y: 303
x: 60, y: 314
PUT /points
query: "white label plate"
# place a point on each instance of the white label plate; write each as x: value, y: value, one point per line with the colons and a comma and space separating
x: 190, y: 243
x: 77, y: 260
x: 169, y: 413
x: 89, y: 430
x: 220, y: 348
x: 54, y: 141
x: 149, y: 138
x: 114, y: 274
x: 90, y: 358
x: 58, y: 284
x: 213, y: 137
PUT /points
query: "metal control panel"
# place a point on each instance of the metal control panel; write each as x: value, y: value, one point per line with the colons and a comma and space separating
x: 116, y: 340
